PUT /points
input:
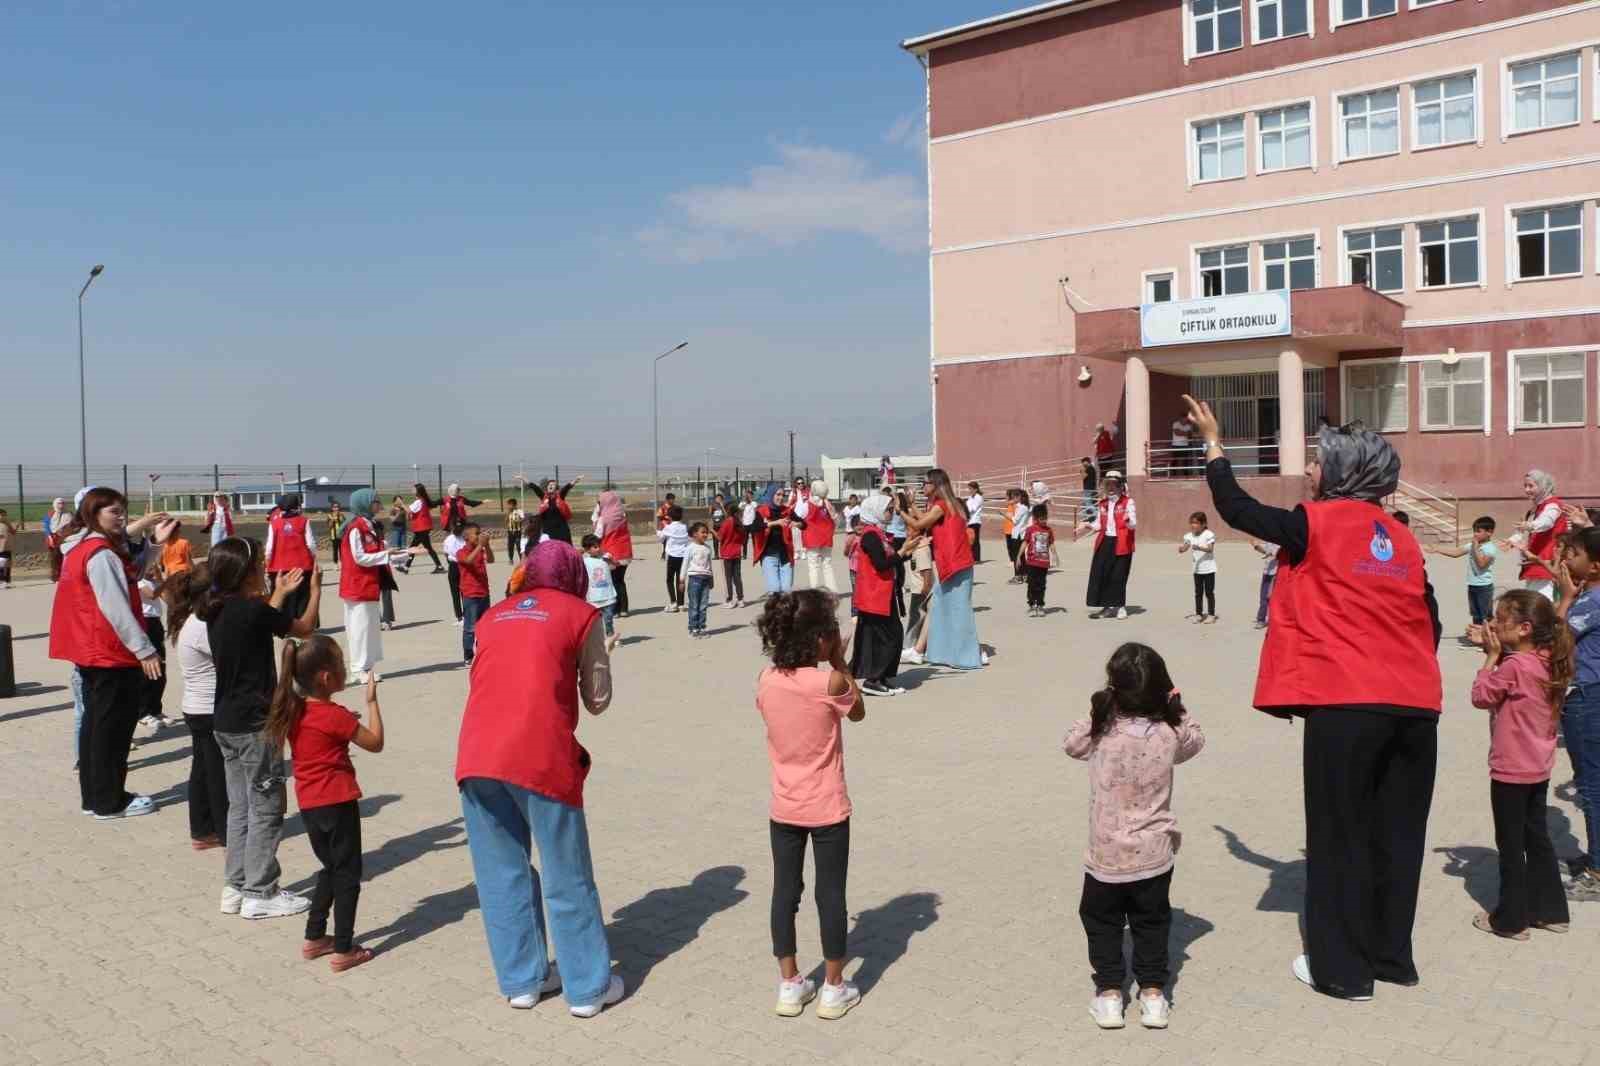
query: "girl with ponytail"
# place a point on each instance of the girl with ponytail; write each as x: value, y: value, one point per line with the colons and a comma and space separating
x: 1136, y: 732
x: 1527, y: 669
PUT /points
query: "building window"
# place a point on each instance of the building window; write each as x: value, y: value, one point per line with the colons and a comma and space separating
x: 1376, y: 258
x: 1449, y: 252
x: 1282, y: 18
x: 1356, y: 10
x: 1452, y: 396
x: 1375, y: 393
x: 1549, y: 242
x: 1219, y: 149
x: 1225, y: 271
x: 1218, y: 25
x: 1446, y: 110
x: 1370, y: 124
x: 1290, y: 264
x: 1544, y: 93
x: 1159, y: 288
x: 1285, y: 137
x: 1550, y: 390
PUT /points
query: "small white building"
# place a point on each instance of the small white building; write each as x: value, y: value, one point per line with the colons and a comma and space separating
x: 859, y: 475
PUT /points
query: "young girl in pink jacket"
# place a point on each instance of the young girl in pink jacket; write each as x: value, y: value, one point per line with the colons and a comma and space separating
x: 1527, y: 669
x: 1136, y: 732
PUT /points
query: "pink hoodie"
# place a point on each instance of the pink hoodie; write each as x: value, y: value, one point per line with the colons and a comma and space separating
x: 1522, y: 721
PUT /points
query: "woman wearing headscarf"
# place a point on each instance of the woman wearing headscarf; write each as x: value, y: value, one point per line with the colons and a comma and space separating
x: 1352, y: 648
x: 453, y: 508
x: 1539, y: 533
x: 55, y: 524
x: 1114, y: 525
x: 610, y: 521
x: 521, y: 770
x: 952, y: 627
x: 771, y: 542
x: 555, y: 510
x: 363, y: 574
x: 875, y: 646
x: 818, y: 521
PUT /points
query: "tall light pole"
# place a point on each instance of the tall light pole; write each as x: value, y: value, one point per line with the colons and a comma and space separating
x: 83, y: 409
x: 655, y: 420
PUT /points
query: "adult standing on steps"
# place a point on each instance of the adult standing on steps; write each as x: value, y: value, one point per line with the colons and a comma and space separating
x: 952, y: 627
x: 1115, y: 524
x: 1352, y: 649
x: 421, y: 510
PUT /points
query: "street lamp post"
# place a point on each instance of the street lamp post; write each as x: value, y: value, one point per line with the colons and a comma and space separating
x: 655, y: 420
x: 83, y: 410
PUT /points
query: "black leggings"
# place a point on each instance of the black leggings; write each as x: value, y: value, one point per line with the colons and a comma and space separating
x: 1205, y: 588
x: 208, y: 789
x: 1530, y: 875
x: 334, y: 832
x: 1037, y: 576
x: 733, y: 572
x: 154, y: 690
x: 619, y: 578
x: 112, y: 697
x: 830, y: 851
x: 674, y: 568
x: 1145, y: 908
x: 454, y: 581
x: 424, y: 538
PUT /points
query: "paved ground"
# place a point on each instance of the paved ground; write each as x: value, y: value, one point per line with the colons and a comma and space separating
x: 964, y: 883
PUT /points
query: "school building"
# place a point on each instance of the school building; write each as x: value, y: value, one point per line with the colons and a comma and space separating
x: 1377, y: 209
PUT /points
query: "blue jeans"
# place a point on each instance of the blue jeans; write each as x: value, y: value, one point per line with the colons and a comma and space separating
x: 608, y: 615
x: 1580, y: 726
x: 501, y: 818
x: 779, y: 577
x: 77, y: 713
x: 472, y: 609
x: 699, y: 600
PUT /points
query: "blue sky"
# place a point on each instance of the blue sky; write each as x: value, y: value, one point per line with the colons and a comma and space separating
x: 408, y: 232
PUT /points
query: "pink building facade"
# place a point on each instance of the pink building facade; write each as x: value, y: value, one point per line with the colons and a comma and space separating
x: 1420, y: 179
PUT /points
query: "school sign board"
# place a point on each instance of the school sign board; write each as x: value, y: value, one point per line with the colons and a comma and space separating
x: 1219, y: 318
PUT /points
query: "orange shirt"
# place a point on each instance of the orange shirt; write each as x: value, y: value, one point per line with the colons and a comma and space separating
x: 176, y: 557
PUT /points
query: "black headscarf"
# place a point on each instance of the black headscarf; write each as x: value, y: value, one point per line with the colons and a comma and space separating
x: 1357, y: 464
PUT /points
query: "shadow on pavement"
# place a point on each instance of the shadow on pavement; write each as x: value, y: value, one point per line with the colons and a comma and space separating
x: 431, y: 913
x: 1479, y: 870
x: 293, y: 825
x: 17, y: 716
x: 882, y: 935
x: 436, y: 668
x: 399, y: 626
x: 1286, y: 881
x: 398, y: 851
x: 664, y: 921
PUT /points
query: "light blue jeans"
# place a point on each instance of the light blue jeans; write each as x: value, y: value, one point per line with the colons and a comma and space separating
x: 779, y: 577
x: 77, y: 712
x: 503, y: 821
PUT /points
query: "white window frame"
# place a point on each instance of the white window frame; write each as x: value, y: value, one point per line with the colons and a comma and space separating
x: 1344, y: 389
x: 1335, y: 19
x: 1250, y: 257
x: 1193, y: 145
x: 1586, y: 215
x: 1415, y: 4
x: 1189, y: 39
x: 1422, y: 391
x: 1346, y: 278
x: 1508, y: 91
x: 1146, y: 277
x: 1483, y: 246
x: 1514, y: 354
x: 1311, y: 118
x: 1477, y: 107
x: 1315, y: 236
x: 1255, y: 23
x: 1336, y: 122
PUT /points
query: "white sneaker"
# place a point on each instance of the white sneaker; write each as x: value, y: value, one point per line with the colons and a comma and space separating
x: 1106, y: 1010
x: 232, y: 899
x: 1122, y: 612
x: 911, y: 655
x: 283, y: 905
x: 1154, y: 1011
x: 552, y: 985
x: 983, y: 658
x: 794, y: 995
x: 460, y: 623
x: 1302, y: 972
x: 136, y: 806
x: 837, y: 1000
x: 613, y: 995
x: 151, y: 722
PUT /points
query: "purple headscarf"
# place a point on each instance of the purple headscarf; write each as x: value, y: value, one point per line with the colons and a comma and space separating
x: 555, y: 564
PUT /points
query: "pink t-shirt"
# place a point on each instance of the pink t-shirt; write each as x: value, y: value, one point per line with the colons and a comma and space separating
x: 1522, y: 720
x: 805, y: 745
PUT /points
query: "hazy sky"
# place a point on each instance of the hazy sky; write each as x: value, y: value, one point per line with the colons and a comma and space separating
x: 407, y: 232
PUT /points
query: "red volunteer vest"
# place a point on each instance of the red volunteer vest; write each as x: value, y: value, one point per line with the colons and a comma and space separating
x: 758, y: 541
x: 1542, y: 546
x: 951, y: 551
x: 422, y: 521
x: 874, y: 587
x: 522, y: 707
x: 1119, y: 516
x: 730, y: 539
x: 357, y: 583
x: 618, y: 543
x: 819, y: 526
x: 289, y: 551
x: 79, y: 633
x: 1348, y: 623
x: 1036, y: 546
x: 451, y: 511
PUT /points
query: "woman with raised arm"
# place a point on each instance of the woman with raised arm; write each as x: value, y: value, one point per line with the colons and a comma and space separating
x: 952, y: 627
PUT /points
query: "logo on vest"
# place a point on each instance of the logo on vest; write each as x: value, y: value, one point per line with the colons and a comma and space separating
x: 1382, y: 547
x: 526, y: 603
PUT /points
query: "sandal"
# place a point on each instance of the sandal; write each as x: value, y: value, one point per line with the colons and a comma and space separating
x: 315, y: 949
x: 205, y: 843
x: 1549, y: 927
x: 350, y: 959
x: 1482, y: 922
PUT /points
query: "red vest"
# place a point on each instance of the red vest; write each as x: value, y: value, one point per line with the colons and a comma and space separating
x: 618, y: 543
x: 451, y: 511
x: 730, y: 539
x: 359, y: 584
x: 952, y: 553
x: 522, y: 707
x: 819, y: 525
x: 422, y: 521
x: 1542, y: 546
x: 874, y: 587
x: 1036, y: 541
x: 1348, y: 622
x: 289, y: 551
x: 758, y: 541
x: 79, y: 633
x: 1118, y: 515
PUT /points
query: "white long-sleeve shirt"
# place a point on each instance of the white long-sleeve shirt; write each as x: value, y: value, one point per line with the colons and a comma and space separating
x: 675, y: 535
x: 1546, y: 519
x: 1130, y: 519
x: 360, y: 555
x: 311, y: 540
x: 109, y: 583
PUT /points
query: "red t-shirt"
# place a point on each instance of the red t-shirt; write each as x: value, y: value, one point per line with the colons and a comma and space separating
x: 474, y: 576
x: 319, y: 744
x: 1036, y: 544
x: 951, y: 551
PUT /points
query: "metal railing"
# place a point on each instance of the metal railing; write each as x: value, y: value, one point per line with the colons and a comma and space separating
x: 1249, y: 457
x: 1434, y: 513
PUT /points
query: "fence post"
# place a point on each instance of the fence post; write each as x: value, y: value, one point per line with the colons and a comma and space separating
x: 22, y: 501
x: 216, y: 478
x: 374, y: 479
x: 300, y: 485
x: 124, y: 480
x: 737, y: 493
x: 500, y: 482
x: 609, y: 486
x: 558, y: 476
x: 441, y: 480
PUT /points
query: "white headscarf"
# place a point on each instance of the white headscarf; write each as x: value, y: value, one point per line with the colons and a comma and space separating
x: 875, y: 510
